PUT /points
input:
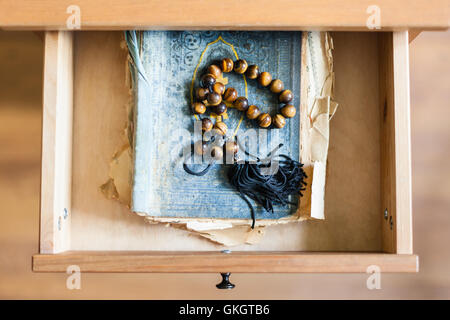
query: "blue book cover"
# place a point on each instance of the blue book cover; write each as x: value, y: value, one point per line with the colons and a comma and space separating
x: 166, y: 67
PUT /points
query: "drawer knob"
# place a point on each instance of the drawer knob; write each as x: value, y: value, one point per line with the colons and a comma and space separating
x: 225, y: 284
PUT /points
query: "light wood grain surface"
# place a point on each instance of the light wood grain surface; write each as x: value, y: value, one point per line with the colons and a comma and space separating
x: 242, y: 262
x: 228, y: 15
x: 56, y: 164
x: 20, y: 117
x: 394, y: 108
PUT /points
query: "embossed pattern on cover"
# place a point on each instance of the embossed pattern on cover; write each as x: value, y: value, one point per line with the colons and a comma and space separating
x: 167, y: 66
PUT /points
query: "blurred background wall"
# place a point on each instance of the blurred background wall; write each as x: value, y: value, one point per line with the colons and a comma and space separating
x: 21, y: 57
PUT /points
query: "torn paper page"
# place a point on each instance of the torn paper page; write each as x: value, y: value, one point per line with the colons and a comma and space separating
x: 316, y: 108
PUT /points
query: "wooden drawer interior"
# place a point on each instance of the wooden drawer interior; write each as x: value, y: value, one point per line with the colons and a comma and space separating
x: 368, y: 192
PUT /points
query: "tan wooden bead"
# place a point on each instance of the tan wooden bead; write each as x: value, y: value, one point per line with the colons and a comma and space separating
x: 218, y: 88
x: 240, y: 66
x: 241, y: 104
x: 230, y: 95
x: 252, y: 72
x: 220, y: 109
x: 288, y: 111
x: 226, y: 65
x: 214, y: 98
x: 201, y: 93
x: 198, y: 108
x: 200, y: 147
x: 217, y: 152
x: 221, y: 128
x: 264, y: 79
x: 276, y: 86
x: 264, y: 120
x: 286, y: 96
x: 279, y: 121
x: 207, y: 80
x: 253, y: 112
x: 206, y: 124
x: 231, y: 147
x: 215, y: 71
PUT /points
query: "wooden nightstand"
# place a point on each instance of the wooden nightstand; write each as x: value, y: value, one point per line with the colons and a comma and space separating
x: 79, y: 227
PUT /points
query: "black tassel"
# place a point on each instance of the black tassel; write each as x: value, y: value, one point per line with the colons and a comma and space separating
x: 270, y: 189
x: 250, y: 180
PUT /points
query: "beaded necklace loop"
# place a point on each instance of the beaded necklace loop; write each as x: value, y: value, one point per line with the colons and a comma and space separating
x: 213, y: 95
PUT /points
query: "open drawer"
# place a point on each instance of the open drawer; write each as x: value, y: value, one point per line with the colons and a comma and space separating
x: 368, y: 194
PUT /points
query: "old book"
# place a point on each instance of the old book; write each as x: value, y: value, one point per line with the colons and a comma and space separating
x: 166, y: 67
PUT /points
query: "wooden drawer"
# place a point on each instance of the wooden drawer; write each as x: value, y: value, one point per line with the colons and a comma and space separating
x: 368, y: 195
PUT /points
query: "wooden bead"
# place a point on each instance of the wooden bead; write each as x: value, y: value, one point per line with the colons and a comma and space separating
x: 230, y: 95
x: 264, y: 120
x: 276, y: 86
x: 221, y: 128
x: 279, y: 121
x: 240, y: 66
x: 201, y: 93
x: 206, y: 124
x: 215, y: 71
x: 200, y: 147
x: 226, y: 65
x: 231, y: 147
x: 214, y: 98
x: 264, y: 79
x: 198, y: 108
x: 288, y: 111
x: 286, y: 96
x: 217, y: 152
x: 218, y: 88
x: 241, y: 104
x: 220, y: 109
x: 253, y: 112
x: 252, y: 72
x: 207, y: 80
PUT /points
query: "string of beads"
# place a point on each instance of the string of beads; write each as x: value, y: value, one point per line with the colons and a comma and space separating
x: 213, y: 94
